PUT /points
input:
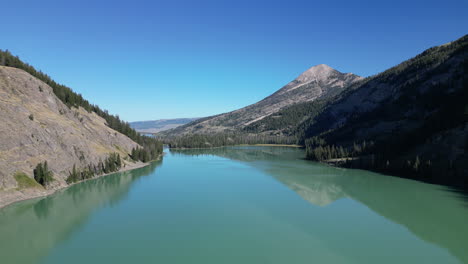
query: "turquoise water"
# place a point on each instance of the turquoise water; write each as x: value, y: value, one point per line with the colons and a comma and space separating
x: 239, y: 205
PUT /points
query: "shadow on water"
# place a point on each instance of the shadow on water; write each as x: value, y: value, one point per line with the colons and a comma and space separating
x: 27, y: 235
x: 460, y: 194
x: 433, y: 213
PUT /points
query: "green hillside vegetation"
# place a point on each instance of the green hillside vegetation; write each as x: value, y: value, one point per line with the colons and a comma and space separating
x: 112, y: 163
x: 288, y: 120
x: 24, y: 181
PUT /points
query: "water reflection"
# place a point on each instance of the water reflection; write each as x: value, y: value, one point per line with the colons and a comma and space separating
x: 434, y: 213
x: 28, y: 235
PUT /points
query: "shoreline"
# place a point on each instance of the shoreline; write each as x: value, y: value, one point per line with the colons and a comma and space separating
x: 15, y: 196
x: 276, y: 145
x: 243, y: 145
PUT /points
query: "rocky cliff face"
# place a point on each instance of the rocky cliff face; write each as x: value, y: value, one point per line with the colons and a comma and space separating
x: 318, y: 82
x: 36, y: 126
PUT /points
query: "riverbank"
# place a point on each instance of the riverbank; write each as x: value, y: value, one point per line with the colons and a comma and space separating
x: 8, y: 197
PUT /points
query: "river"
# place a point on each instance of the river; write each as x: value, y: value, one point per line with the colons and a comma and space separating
x: 239, y: 205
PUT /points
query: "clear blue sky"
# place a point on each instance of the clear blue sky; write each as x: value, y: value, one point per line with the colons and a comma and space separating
x: 147, y: 60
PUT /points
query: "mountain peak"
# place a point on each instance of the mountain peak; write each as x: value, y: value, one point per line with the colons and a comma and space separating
x: 320, y: 67
x: 317, y: 72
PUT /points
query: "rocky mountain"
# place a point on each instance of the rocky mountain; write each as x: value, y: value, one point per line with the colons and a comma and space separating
x: 318, y: 82
x: 155, y: 126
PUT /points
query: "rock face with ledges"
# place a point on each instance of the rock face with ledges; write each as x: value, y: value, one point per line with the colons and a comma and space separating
x: 36, y: 126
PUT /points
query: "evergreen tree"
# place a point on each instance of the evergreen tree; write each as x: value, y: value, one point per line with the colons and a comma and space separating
x: 42, y: 174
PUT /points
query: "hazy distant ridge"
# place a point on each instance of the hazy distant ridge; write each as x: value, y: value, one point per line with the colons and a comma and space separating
x: 154, y: 126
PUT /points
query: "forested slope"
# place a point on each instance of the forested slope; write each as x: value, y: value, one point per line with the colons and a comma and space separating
x: 410, y: 120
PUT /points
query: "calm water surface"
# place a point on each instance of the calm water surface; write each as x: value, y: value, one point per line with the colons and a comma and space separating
x: 239, y: 205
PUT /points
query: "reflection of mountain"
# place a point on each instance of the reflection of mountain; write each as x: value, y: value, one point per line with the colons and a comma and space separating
x: 292, y: 174
x: 431, y: 212
x: 27, y: 235
x: 316, y: 193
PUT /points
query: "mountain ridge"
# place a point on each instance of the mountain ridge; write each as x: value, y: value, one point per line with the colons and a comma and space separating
x: 319, y: 81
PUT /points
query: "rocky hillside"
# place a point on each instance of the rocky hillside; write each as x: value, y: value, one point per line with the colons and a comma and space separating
x: 37, y: 126
x: 318, y: 82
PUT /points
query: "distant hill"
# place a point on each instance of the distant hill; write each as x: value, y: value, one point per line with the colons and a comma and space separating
x: 155, y: 126
x: 318, y: 82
